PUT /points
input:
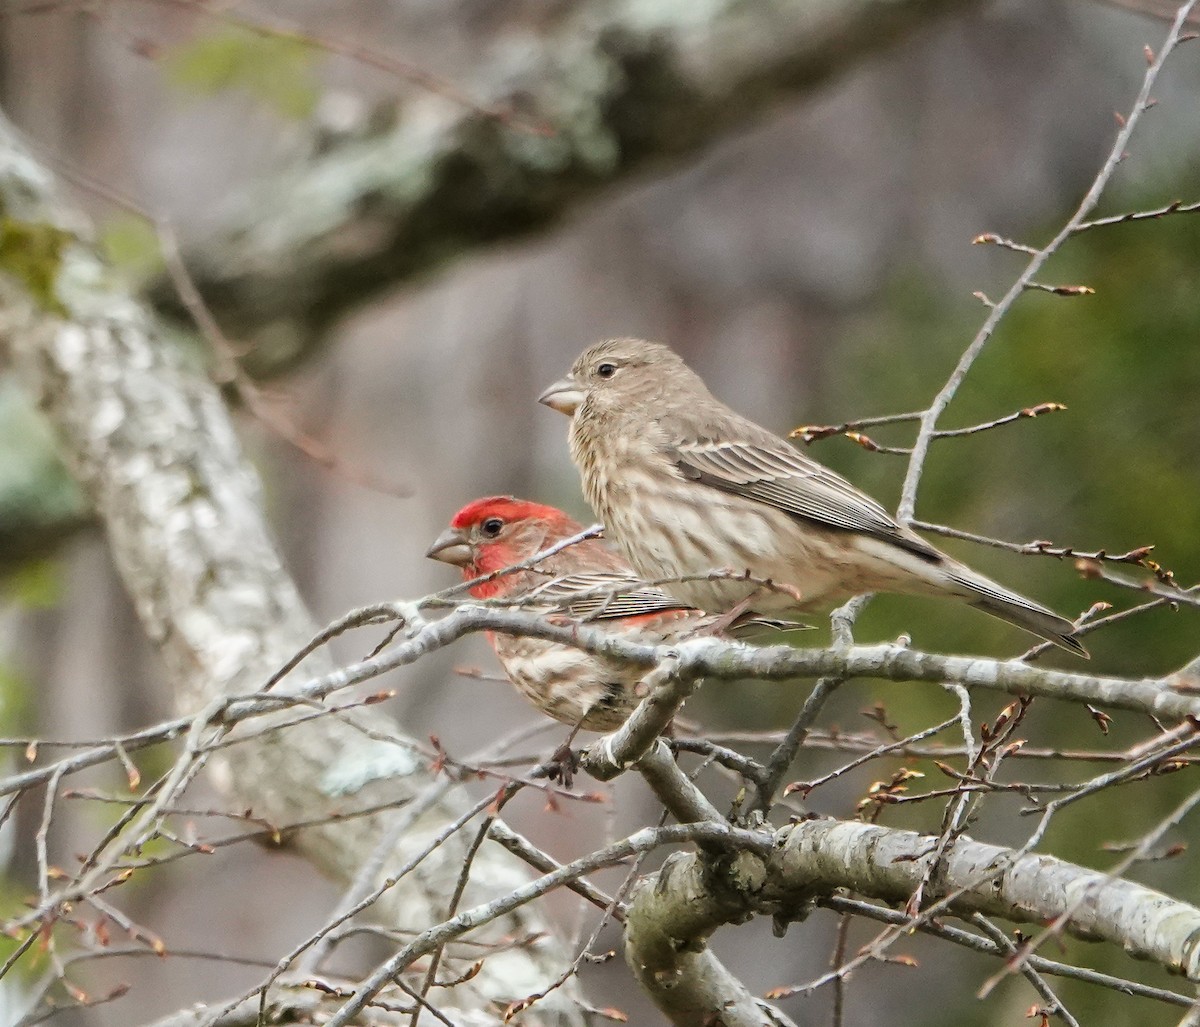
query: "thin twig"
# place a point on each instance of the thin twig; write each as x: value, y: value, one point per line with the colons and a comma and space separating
x: 930, y: 417
x: 937, y: 929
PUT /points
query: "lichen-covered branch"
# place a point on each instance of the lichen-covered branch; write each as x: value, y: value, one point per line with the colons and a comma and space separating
x: 718, y: 659
x: 888, y: 864
x: 616, y: 86
x: 670, y: 918
x: 154, y: 450
x: 673, y: 913
x: 1172, y: 697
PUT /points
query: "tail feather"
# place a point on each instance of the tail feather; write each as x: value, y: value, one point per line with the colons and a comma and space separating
x: 752, y: 625
x: 992, y: 598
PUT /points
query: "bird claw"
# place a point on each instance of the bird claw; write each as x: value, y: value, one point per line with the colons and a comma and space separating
x: 562, y: 766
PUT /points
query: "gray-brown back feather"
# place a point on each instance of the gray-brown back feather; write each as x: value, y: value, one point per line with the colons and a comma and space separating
x: 770, y: 471
x: 712, y: 445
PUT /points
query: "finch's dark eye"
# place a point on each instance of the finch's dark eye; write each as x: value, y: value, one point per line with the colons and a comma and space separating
x: 491, y: 527
x: 605, y: 370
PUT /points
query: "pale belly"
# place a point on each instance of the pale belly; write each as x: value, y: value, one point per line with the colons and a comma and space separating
x: 568, y: 684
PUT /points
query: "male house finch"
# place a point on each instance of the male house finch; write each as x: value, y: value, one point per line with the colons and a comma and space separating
x: 686, y: 486
x: 587, y: 579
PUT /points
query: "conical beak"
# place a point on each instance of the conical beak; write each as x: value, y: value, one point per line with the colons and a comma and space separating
x: 450, y: 546
x: 564, y: 396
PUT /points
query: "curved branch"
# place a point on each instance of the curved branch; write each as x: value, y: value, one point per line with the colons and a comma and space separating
x: 670, y: 918
x: 617, y: 86
x: 648, y: 838
x: 672, y: 914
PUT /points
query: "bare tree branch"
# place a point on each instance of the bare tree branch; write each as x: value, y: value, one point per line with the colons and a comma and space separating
x: 979, y: 944
x: 618, y: 87
x: 670, y: 918
x: 715, y: 834
x: 672, y: 913
x: 1075, y: 224
x: 723, y: 660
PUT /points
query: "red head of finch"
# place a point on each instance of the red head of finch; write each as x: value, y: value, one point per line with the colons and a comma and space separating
x: 586, y: 580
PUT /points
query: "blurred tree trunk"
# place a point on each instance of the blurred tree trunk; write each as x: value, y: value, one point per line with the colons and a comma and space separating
x: 154, y: 450
x: 552, y: 120
x: 610, y: 90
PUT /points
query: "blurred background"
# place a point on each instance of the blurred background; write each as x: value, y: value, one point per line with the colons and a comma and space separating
x: 814, y: 265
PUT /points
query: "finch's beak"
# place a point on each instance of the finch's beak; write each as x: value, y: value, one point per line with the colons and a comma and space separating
x: 564, y: 396
x: 450, y: 547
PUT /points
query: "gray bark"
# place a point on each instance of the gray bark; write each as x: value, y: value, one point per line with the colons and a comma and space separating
x: 719, y: 659
x: 154, y: 450
x: 673, y: 913
x: 671, y: 917
x: 618, y: 86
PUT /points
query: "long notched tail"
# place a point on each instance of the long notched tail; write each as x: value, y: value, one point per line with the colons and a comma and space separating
x: 985, y: 594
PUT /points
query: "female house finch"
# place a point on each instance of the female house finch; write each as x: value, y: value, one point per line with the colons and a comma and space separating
x: 686, y: 486
x: 568, y: 684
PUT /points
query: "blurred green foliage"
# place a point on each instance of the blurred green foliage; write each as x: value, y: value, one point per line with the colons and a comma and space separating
x: 31, y: 251
x: 36, y: 585
x: 275, y: 70
x: 16, y: 701
x: 1118, y: 469
x: 39, y: 501
x: 131, y: 245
